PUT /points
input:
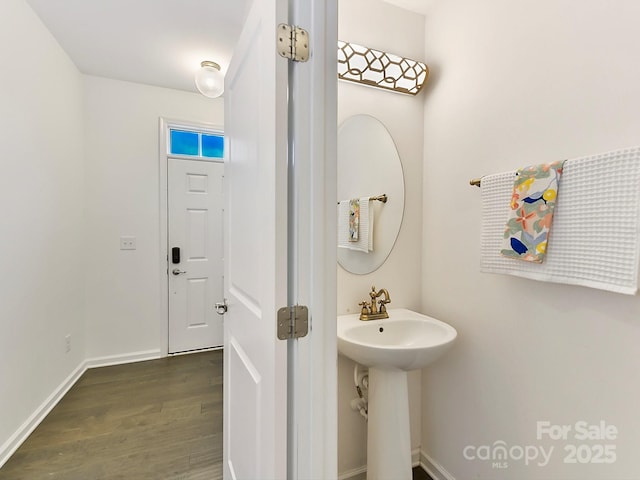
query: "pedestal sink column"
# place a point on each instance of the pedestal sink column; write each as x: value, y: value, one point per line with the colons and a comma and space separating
x: 388, y: 434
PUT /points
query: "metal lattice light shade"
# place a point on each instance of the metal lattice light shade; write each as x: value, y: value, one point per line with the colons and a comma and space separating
x: 379, y: 69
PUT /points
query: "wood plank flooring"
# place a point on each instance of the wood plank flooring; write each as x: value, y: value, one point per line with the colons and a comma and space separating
x: 154, y: 420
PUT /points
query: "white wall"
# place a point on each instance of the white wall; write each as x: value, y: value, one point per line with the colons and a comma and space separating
x: 516, y: 83
x: 379, y: 25
x: 41, y: 189
x: 122, y: 199
x: 80, y: 168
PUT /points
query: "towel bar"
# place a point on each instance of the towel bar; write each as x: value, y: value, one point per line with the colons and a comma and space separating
x: 475, y: 181
x: 381, y: 198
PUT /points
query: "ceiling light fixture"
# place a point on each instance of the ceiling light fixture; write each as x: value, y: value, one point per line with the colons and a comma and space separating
x: 209, y: 79
x: 380, y: 69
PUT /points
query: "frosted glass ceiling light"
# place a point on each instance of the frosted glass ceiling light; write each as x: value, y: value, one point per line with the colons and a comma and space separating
x: 209, y: 79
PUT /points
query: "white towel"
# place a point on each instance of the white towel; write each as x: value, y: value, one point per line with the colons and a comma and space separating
x: 595, y: 239
x: 369, y: 217
x: 365, y: 237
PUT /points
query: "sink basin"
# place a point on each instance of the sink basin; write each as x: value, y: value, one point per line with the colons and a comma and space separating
x: 391, y: 347
x: 406, y: 340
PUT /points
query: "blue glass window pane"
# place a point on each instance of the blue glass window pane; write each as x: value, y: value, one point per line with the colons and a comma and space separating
x: 184, y: 143
x: 212, y: 146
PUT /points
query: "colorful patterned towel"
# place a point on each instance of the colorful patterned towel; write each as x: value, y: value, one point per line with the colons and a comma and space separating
x: 364, y: 243
x: 535, y: 191
x: 354, y: 220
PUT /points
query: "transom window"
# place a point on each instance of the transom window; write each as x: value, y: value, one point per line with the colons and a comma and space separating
x: 196, y: 144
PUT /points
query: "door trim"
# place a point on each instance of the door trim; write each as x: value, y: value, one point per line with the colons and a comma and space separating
x: 313, y: 423
x: 165, y: 124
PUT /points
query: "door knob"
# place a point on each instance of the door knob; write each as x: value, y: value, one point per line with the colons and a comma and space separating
x: 221, y: 307
x: 177, y: 271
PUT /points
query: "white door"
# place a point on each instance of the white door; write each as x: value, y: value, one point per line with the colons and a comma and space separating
x: 195, y: 223
x: 255, y: 376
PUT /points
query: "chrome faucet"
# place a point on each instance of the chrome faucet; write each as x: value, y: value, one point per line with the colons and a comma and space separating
x: 370, y: 311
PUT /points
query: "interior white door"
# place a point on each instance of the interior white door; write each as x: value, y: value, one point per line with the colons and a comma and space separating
x: 255, y: 362
x: 195, y: 223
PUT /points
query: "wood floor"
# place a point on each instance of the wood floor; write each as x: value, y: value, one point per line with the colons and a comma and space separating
x: 156, y: 420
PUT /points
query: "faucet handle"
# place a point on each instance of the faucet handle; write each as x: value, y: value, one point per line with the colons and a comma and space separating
x: 365, y: 306
x: 383, y: 308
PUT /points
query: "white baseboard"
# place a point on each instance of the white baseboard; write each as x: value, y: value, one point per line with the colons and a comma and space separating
x: 122, y: 359
x: 358, y: 472
x: 433, y: 468
x: 415, y: 458
x: 11, y: 445
x: 353, y: 473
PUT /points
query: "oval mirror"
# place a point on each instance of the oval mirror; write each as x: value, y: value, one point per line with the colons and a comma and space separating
x: 369, y: 166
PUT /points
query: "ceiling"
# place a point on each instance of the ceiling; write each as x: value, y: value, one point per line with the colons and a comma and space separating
x: 154, y: 42
x: 419, y: 6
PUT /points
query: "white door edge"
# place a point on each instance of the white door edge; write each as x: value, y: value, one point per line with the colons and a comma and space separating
x: 165, y: 124
x: 313, y: 425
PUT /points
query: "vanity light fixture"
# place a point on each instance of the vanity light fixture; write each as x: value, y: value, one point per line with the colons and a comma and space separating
x: 380, y: 69
x: 209, y: 79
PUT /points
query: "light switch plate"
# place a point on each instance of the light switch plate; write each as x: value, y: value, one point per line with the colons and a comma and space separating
x: 127, y: 243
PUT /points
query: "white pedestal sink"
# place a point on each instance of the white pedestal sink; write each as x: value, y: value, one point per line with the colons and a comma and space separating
x: 391, y: 347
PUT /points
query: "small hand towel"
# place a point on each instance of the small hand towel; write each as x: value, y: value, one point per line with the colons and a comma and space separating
x: 533, y: 200
x: 354, y: 219
x: 365, y: 227
x: 368, y: 215
x: 596, y: 228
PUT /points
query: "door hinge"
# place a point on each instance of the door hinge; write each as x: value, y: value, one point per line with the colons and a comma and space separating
x: 293, y: 42
x: 293, y: 322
